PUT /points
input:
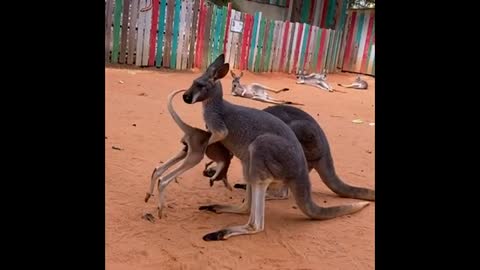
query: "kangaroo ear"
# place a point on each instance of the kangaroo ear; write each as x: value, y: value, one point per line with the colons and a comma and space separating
x: 232, y: 73
x: 241, y: 74
x: 221, y: 71
x: 212, y: 68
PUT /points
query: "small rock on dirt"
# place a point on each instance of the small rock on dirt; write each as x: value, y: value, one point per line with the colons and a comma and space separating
x: 117, y: 148
x: 121, y: 82
x: 142, y: 94
x: 134, y: 125
x: 149, y: 217
x: 294, y: 207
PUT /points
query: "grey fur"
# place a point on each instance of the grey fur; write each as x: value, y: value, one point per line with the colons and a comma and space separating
x: 195, y: 145
x: 317, y: 153
x: 357, y: 84
x: 267, y: 148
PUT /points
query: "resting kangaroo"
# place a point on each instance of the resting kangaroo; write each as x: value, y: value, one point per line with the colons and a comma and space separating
x: 317, y: 152
x: 318, y: 76
x: 256, y: 91
x: 357, y: 84
x: 267, y: 148
x: 195, y: 146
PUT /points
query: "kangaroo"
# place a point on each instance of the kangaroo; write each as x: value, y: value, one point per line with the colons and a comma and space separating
x: 195, y: 146
x: 318, y: 76
x: 317, y: 152
x: 267, y: 149
x: 357, y: 84
x: 256, y: 91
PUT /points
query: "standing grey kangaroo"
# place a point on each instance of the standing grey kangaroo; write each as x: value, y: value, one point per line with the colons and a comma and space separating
x: 256, y: 91
x: 195, y: 146
x: 317, y: 152
x: 357, y: 84
x: 267, y: 149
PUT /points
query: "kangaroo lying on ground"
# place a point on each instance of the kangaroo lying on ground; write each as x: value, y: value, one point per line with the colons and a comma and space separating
x: 318, y: 76
x: 267, y: 148
x: 317, y: 152
x: 256, y: 91
x: 195, y: 143
x: 357, y: 84
x: 319, y: 83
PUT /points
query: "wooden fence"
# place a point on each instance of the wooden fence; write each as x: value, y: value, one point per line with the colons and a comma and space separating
x: 185, y: 34
x: 358, y: 46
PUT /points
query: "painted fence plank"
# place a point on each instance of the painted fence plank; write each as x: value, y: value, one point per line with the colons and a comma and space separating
x: 221, y: 40
x: 206, y: 44
x: 251, y: 56
x: 370, y: 46
x: 193, y: 34
x: 238, y: 41
x: 263, y: 57
x: 116, y: 30
x: 132, y: 37
x: 161, y: 35
x: 298, y: 47
x: 269, y: 50
x: 361, y: 44
x: 358, y: 36
x: 153, y: 32
x: 349, y: 45
x: 168, y: 33
x: 146, y: 36
x: 140, y: 33
x: 201, y: 31
x: 175, y: 33
x: 124, y: 36
x: 305, y: 41
x: 228, y: 35
x: 260, y: 44
x: 285, y: 39
x: 108, y: 28
x: 188, y: 30
x: 181, y: 36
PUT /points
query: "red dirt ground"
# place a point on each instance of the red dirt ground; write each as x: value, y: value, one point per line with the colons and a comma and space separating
x: 290, y: 240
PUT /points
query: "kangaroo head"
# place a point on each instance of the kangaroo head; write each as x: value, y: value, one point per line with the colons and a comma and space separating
x: 236, y: 79
x: 208, y: 85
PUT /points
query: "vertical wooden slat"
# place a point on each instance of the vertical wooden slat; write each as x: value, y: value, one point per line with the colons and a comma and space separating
x: 146, y: 36
x: 370, y: 48
x: 140, y: 33
x: 327, y: 44
x: 180, y: 37
x: 292, y: 41
x: 124, y: 35
x: 305, y: 11
x: 193, y: 34
x: 213, y: 36
x: 260, y: 44
x: 275, y: 45
x: 317, y: 49
x: 223, y: 33
x: 116, y: 30
x: 175, y: 33
x: 153, y: 33
x: 188, y: 30
x: 167, y: 55
x: 285, y: 35
x: 363, y: 38
x: 230, y: 40
x: 321, y: 52
x: 308, y: 51
x: 324, y: 13
x: 245, y: 42
x: 346, y: 30
x: 317, y: 11
x: 108, y: 28
x: 266, y: 32
x: 305, y: 48
x: 296, y: 55
x: 255, y: 34
x: 238, y: 40
x: 269, y: 50
x: 161, y: 35
x: 132, y: 36
x: 200, y: 32
x: 228, y: 35
x: 206, y: 44
x: 349, y: 45
x: 358, y: 36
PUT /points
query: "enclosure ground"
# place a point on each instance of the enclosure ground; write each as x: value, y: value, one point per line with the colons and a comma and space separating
x: 138, y: 123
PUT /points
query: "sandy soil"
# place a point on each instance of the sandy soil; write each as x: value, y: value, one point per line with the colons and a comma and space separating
x: 137, y: 121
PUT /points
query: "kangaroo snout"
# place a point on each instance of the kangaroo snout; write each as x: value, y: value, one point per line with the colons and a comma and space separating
x: 187, y: 98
